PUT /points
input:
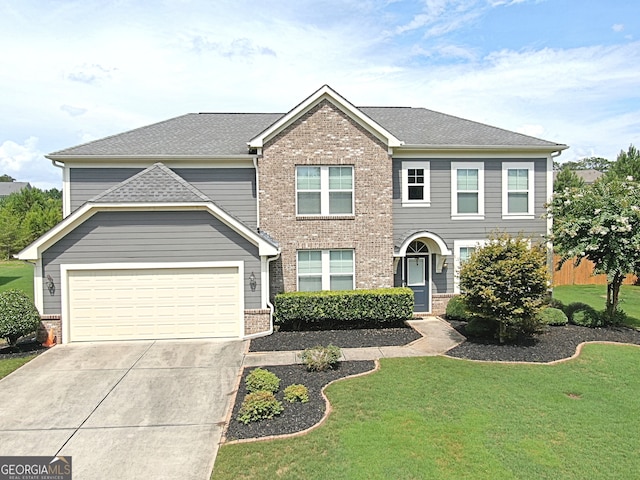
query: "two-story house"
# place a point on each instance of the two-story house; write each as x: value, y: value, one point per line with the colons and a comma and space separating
x: 187, y: 228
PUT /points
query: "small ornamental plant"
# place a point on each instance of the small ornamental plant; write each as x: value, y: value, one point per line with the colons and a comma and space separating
x: 18, y: 316
x: 257, y: 406
x: 320, y: 359
x: 262, y: 379
x: 296, y: 393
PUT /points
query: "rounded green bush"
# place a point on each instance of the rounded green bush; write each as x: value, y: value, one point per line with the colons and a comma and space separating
x: 479, y: 327
x: 575, y: 307
x: 553, y: 316
x: 587, y: 317
x: 18, y: 316
x: 296, y: 393
x: 260, y: 379
x: 259, y: 405
x: 457, y: 309
x: 320, y: 359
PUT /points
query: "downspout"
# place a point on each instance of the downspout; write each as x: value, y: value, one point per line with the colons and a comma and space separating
x: 269, y: 304
x: 65, y: 187
x: 255, y: 166
x: 550, y: 265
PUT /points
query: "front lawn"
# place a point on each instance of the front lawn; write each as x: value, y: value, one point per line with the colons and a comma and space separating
x: 438, y: 417
x: 596, y: 296
x: 18, y: 275
x: 8, y: 365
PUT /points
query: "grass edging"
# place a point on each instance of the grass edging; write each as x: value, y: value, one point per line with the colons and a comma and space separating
x: 327, y: 412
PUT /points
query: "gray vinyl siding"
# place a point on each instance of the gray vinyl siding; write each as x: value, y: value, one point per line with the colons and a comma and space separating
x: 139, y: 237
x: 232, y: 189
x: 437, y: 217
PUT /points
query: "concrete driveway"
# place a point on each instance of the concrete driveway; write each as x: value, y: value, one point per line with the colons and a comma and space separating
x: 125, y: 410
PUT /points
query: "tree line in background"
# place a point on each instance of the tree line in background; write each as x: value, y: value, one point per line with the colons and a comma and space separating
x: 25, y: 215
x: 600, y: 221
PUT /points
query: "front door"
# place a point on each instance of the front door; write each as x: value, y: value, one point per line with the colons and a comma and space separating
x: 417, y: 271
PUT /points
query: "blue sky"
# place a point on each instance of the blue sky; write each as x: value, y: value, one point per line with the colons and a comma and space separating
x: 73, y: 71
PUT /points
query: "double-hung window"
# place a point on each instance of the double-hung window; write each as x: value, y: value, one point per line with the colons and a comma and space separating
x: 467, y: 190
x: 415, y: 183
x: 324, y: 190
x: 517, y: 190
x: 325, y: 270
x: 462, y: 251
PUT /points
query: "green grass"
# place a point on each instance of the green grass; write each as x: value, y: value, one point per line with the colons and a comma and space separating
x: 437, y: 417
x: 10, y: 364
x: 596, y: 296
x: 16, y: 274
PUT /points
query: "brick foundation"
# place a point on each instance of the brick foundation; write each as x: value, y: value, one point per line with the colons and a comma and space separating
x: 256, y: 321
x: 439, y: 302
x: 50, y: 323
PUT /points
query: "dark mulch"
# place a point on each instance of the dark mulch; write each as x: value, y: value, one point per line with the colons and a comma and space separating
x: 356, y: 338
x: 555, y: 343
x: 296, y: 416
x: 22, y: 349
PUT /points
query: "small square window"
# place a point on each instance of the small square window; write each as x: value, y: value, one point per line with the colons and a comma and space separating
x: 415, y: 183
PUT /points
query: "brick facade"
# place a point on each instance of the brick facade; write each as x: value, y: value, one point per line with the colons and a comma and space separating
x: 439, y: 302
x: 256, y: 321
x: 50, y: 323
x: 327, y: 136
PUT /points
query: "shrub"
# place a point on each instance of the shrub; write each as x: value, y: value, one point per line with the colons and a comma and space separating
x: 553, y: 316
x: 554, y: 303
x: 506, y: 281
x: 259, y: 405
x: 261, y: 379
x: 587, y: 317
x: 296, y: 392
x: 383, y: 305
x: 457, y: 309
x: 574, y: 307
x: 481, y: 327
x: 319, y: 359
x: 18, y: 316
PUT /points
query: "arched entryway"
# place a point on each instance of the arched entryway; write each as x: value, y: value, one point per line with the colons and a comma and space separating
x: 421, y: 253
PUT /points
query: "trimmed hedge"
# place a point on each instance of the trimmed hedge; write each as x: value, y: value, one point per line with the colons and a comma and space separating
x: 457, y: 309
x: 553, y: 316
x: 18, y: 315
x: 383, y: 305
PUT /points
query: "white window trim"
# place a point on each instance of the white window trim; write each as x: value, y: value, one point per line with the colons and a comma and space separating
x: 324, y: 192
x: 455, y: 166
x: 326, y: 267
x: 457, y: 245
x: 413, y: 164
x: 506, y: 166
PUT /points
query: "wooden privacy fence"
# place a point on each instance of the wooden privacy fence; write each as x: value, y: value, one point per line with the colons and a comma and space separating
x: 582, y: 274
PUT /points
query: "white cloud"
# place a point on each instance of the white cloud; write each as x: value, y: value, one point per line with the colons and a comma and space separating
x: 618, y: 27
x: 73, y: 111
x: 25, y: 162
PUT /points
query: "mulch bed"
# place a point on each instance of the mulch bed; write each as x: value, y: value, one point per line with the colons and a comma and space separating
x: 356, y: 338
x: 296, y: 416
x: 22, y: 349
x: 555, y: 344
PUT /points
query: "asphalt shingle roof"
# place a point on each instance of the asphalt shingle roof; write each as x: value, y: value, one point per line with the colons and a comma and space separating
x: 7, y: 188
x: 227, y: 134
x: 154, y: 184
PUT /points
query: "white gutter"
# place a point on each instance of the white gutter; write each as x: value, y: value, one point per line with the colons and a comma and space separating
x: 63, y: 158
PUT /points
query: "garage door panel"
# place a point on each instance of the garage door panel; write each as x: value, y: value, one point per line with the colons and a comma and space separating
x: 121, y: 304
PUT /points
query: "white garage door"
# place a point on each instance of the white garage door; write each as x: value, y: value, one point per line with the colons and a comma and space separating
x: 136, y: 304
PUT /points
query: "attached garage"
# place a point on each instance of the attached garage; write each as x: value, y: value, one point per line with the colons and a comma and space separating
x: 138, y: 302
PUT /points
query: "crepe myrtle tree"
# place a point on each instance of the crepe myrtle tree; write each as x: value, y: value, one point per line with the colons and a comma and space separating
x: 505, y: 281
x: 600, y: 223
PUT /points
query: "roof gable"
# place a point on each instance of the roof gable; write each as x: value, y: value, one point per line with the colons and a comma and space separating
x: 154, y: 184
x: 325, y: 93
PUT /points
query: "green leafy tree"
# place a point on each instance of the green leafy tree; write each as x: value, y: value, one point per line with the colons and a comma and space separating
x: 506, y: 281
x: 6, y: 178
x: 626, y: 165
x: 588, y: 163
x: 601, y: 223
x: 567, y: 178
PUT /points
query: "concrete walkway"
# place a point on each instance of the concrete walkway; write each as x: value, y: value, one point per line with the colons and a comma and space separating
x: 437, y: 338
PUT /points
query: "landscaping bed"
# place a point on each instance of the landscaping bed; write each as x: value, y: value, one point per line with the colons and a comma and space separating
x: 296, y: 416
x: 555, y: 343
x: 22, y: 349
x: 356, y: 338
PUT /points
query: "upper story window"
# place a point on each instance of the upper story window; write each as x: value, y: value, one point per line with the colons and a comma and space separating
x: 325, y: 270
x: 324, y: 190
x: 467, y: 190
x: 517, y: 190
x: 415, y: 183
